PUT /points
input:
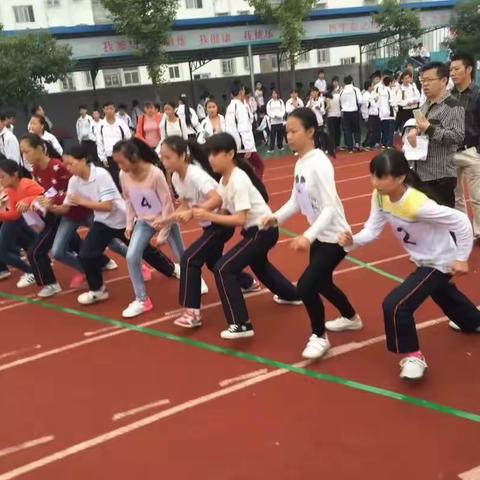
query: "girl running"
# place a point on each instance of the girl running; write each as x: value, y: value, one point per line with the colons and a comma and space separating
x: 147, y: 196
x: 93, y: 188
x: 424, y: 228
x: 14, y: 229
x: 242, y: 197
x: 196, y: 185
x: 315, y: 196
x: 52, y: 175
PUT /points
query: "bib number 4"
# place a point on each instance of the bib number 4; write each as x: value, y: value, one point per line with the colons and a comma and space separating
x: 144, y: 203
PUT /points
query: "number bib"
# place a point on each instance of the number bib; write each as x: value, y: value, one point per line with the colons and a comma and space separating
x: 145, y: 203
x: 303, y: 200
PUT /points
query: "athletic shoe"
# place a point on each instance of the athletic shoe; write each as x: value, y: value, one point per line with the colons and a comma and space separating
x: 270, y: 151
x: 78, y: 280
x: 137, y: 307
x: 49, y: 290
x: 89, y: 298
x: 111, y: 265
x: 413, y: 368
x: 254, y: 287
x: 191, y: 318
x: 203, y: 288
x: 238, y: 331
x: 146, y: 273
x: 282, y: 301
x: 176, y: 271
x: 316, y: 347
x: 454, y: 326
x: 5, y: 274
x: 26, y: 280
x: 341, y: 324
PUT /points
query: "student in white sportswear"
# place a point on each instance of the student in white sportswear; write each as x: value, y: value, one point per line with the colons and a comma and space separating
x: 276, y: 115
x: 425, y: 230
x: 293, y: 102
x: 350, y: 104
x: 315, y: 196
x: 9, y: 145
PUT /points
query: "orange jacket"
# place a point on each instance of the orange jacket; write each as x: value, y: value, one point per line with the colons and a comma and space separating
x: 140, y: 132
x: 28, y: 190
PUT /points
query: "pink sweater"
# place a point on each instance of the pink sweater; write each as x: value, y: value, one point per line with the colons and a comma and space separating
x: 147, y: 199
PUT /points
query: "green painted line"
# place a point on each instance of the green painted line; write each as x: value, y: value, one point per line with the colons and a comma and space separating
x: 354, y: 260
x: 255, y: 358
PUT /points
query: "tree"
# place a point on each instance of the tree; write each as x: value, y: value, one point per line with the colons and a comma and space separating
x: 27, y: 62
x: 289, y: 16
x: 401, y: 24
x: 466, y: 28
x: 147, y: 23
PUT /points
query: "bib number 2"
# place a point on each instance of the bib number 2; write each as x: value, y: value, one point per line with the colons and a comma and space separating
x: 406, y: 236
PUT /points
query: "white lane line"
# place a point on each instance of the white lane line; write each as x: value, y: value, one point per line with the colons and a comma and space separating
x: 473, y: 474
x: 20, y: 351
x: 246, y: 376
x: 134, y: 411
x: 90, y: 333
x: 119, y: 432
x: 75, y: 345
x: 26, y: 445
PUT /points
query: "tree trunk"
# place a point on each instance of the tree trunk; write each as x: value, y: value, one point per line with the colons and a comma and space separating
x: 292, y: 72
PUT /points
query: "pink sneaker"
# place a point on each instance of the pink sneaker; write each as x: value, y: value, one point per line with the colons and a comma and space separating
x: 146, y: 272
x: 78, y: 280
x: 190, y: 319
x: 136, y: 308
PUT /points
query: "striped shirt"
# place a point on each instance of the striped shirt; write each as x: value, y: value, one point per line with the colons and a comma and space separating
x: 446, y: 133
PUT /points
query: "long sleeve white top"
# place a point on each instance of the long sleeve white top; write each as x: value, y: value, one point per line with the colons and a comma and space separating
x: 276, y: 111
x: 192, y: 129
x: 318, y: 108
x: 108, y: 134
x: 387, y: 103
x: 206, y: 129
x: 350, y: 99
x: 9, y: 145
x: 314, y: 194
x: 422, y: 226
x: 290, y: 106
x: 408, y: 97
x: 84, y: 128
x: 237, y: 124
x: 52, y: 139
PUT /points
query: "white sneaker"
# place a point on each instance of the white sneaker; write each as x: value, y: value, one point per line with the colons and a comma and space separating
x: 341, y: 324
x: 316, y: 347
x: 26, y: 280
x: 238, y: 331
x: 204, y: 288
x: 454, y: 326
x: 49, y: 290
x: 111, y: 265
x: 137, y: 307
x: 5, y: 274
x: 91, y: 297
x: 176, y: 271
x: 413, y: 368
x: 281, y: 301
x: 254, y: 287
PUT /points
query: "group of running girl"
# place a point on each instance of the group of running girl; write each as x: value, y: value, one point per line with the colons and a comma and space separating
x: 213, y: 186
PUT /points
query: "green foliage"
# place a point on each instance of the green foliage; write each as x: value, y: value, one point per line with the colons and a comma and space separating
x: 400, y: 23
x: 147, y: 24
x: 27, y: 62
x: 466, y: 28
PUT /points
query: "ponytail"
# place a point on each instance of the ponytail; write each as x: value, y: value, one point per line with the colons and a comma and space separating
x: 136, y: 150
x: 12, y: 169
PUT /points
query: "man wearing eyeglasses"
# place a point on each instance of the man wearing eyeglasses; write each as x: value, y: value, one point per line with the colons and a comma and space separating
x: 442, y: 119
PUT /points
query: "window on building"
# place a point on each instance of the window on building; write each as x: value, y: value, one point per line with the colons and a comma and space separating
x: 304, y: 57
x: 88, y: 79
x: 201, y: 76
x: 194, y: 3
x: 347, y: 60
x: 283, y: 62
x: 24, y: 14
x: 174, y: 72
x: 243, y: 12
x: 222, y: 14
x: 53, y: 3
x: 131, y: 76
x: 246, y: 63
x: 68, y: 83
x: 228, y: 66
x: 112, y: 78
x: 323, y: 55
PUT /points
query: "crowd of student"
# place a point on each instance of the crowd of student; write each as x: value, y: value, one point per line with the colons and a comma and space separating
x: 132, y: 180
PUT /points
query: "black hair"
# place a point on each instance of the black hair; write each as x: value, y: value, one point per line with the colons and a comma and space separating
x: 188, y: 115
x: 348, y: 80
x: 135, y: 103
x: 376, y: 74
x: 406, y: 73
x: 108, y: 103
x: 157, y: 106
x: 248, y: 91
x: 79, y: 152
x: 335, y: 79
x: 212, y: 100
x: 148, y: 103
x: 12, y: 168
x: 236, y: 88
x: 82, y: 107
x: 321, y: 71
x: 224, y: 142
x: 3, y: 116
x: 192, y: 151
x: 42, y: 121
x: 136, y: 150
x: 392, y: 162
x: 441, y: 68
x: 367, y: 84
x: 466, y: 59
x: 387, y: 81
x: 308, y: 119
x: 36, y: 141
x: 295, y: 91
x: 122, y: 106
x: 171, y: 103
x: 34, y: 109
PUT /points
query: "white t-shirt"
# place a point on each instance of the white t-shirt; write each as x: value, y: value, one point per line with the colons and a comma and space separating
x: 239, y: 194
x: 100, y: 187
x: 194, y: 188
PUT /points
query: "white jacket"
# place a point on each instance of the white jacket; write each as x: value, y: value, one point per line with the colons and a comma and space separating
x: 206, y: 129
x: 387, y: 103
x: 318, y: 107
x: 290, y: 107
x: 237, y: 124
x: 9, y: 145
x: 192, y: 130
x: 276, y: 111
